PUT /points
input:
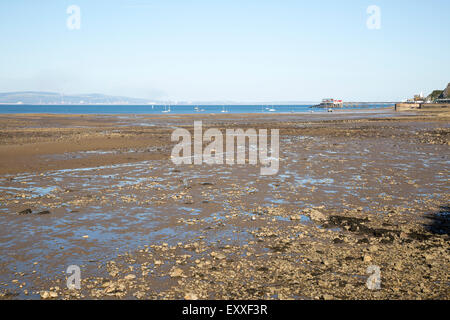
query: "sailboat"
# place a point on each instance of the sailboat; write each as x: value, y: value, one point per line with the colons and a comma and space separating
x: 223, y: 110
x: 271, y: 109
x: 166, y: 110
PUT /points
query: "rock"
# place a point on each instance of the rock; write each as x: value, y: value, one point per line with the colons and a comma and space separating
x: 191, y: 296
x: 26, y: 211
x: 43, y: 212
x: 367, y: 258
x: 48, y: 294
x: 130, y: 277
x: 294, y: 217
x: 176, y: 272
x: 115, y: 288
x: 113, y: 270
x: 218, y: 255
x: 327, y: 297
x: 316, y: 215
x: 326, y: 262
x: 139, y: 295
x: 85, y: 236
x: 373, y: 248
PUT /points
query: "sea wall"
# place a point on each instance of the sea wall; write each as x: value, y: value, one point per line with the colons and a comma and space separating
x: 415, y: 106
x: 434, y: 105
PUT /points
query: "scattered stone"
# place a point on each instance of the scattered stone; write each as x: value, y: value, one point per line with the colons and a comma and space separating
x: 49, y: 294
x: 218, y: 255
x: 176, y: 272
x: 130, y: 277
x: 191, y: 296
x: 112, y: 269
x: 315, y: 215
x: 139, y: 295
x: 115, y: 288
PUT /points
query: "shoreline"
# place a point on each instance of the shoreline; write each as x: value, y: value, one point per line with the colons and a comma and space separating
x: 38, y: 142
x: 218, y: 112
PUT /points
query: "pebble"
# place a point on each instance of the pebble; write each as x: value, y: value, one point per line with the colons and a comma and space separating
x: 219, y: 256
x: 176, y: 272
x: 191, y: 296
x: 48, y: 294
x: 130, y: 277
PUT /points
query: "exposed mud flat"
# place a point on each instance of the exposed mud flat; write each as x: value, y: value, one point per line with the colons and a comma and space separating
x: 354, y: 190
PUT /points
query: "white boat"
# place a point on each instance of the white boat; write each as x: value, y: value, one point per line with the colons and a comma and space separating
x: 223, y: 110
x: 166, y: 110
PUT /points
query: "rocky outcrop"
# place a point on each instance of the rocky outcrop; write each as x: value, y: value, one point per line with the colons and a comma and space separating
x: 440, y: 94
x: 446, y: 93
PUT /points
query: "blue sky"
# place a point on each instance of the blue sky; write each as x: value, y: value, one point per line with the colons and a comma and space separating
x: 259, y: 50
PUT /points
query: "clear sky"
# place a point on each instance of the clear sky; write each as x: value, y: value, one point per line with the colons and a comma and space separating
x: 241, y: 50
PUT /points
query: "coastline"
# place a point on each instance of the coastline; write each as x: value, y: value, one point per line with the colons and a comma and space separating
x: 354, y: 190
x: 28, y: 138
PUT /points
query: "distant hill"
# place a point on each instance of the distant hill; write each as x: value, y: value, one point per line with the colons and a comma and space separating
x: 40, y: 97
x: 440, y: 94
x: 37, y: 97
x: 436, y: 94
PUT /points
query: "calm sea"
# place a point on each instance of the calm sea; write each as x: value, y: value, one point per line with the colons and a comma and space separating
x: 161, y: 109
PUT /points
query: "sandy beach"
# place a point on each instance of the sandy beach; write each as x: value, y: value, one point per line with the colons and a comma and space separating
x: 355, y: 189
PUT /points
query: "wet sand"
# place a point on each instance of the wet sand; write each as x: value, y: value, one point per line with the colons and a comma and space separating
x: 354, y: 189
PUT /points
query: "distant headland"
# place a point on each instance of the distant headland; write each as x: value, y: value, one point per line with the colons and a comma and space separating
x: 55, y: 98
